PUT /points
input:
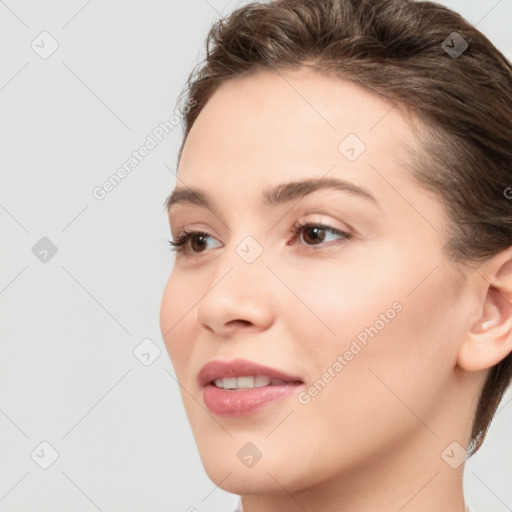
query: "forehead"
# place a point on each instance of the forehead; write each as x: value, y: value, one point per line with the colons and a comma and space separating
x: 286, y: 120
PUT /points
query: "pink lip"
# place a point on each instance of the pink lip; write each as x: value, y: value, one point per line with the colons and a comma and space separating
x: 233, y: 402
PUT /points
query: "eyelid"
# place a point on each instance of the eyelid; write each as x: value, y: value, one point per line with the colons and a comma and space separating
x: 322, y: 216
x: 194, y: 226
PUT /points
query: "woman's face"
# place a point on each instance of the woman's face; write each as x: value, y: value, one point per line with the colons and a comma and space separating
x: 368, y: 321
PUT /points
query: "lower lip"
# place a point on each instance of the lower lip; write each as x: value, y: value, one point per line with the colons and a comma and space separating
x: 239, y: 402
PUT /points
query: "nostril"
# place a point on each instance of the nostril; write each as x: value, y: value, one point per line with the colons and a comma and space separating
x: 236, y: 322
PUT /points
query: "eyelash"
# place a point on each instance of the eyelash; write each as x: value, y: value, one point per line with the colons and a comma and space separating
x: 179, y: 245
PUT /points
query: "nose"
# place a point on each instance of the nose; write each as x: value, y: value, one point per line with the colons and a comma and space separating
x: 240, y: 295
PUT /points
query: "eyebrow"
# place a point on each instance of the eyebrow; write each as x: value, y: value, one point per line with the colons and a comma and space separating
x: 273, y: 196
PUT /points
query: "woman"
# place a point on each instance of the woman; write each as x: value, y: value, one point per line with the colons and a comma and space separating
x: 339, y: 311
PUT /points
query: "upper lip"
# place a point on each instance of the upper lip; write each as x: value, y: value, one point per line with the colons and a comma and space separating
x: 218, y: 369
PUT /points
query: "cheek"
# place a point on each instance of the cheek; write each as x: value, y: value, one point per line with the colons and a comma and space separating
x: 338, y: 301
x: 371, y: 333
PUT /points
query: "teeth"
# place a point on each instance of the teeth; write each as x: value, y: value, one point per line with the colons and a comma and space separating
x: 245, y: 382
x: 229, y: 383
x: 260, y: 381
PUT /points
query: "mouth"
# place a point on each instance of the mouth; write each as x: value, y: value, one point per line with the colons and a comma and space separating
x: 250, y: 382
x: 240, y: 387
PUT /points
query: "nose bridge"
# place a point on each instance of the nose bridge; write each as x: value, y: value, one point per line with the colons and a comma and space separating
x: 240, y: 288
x: 243, y: 267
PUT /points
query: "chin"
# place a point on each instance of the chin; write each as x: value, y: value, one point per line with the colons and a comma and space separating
x: 243, y: 480
x: 269, y: 475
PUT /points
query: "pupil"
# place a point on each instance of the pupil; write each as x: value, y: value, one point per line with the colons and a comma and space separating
x: 316, y: 237
x: 195, y: 238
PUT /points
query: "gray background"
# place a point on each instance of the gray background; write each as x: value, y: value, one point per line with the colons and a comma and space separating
x: 70, y: 324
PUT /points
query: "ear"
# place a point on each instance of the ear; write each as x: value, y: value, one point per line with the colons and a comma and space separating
x: 490, y: 338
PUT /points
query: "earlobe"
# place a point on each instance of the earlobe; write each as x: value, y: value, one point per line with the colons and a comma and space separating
x: 489, y: 340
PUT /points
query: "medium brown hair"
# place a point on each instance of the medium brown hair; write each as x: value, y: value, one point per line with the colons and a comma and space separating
x: 400, y: 49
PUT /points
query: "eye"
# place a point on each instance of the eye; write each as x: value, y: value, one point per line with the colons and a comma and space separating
x: 180, y: 244
x: 314, y: 231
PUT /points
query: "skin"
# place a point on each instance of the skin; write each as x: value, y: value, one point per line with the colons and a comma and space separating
x: 373, y: 438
